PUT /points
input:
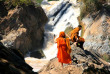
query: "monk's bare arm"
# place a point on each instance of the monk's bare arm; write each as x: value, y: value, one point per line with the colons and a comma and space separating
x: 55, y: 39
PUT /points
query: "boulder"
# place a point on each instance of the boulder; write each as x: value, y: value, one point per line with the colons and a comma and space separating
x: 12, y: 62
x: 23, y: 28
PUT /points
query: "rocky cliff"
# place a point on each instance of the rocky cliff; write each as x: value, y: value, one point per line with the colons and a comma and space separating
x: 97, y: 31
x: 12, y: 62
x: 83, y: 62
x: 23, y: 28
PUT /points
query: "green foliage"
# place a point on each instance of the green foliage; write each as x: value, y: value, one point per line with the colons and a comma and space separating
x: 53, y: 0
x: 90, y: 6
x: 17, y: 2
x: 9, y: 3
x: 106, y: 57
x: 39, y: 1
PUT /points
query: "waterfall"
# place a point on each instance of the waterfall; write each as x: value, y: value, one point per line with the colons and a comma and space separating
x: 63, y: 17
x: 61, y: 14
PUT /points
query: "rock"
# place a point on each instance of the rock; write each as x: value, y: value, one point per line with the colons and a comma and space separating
x: 37, y: 54
x: 54, y: 67
x: 3, y: 10
x: 12, y: 62
x: 97, y: 33
x: 83, y: 62
x: 92, y: 70
x: 1, y: 37
x: 23, y: 28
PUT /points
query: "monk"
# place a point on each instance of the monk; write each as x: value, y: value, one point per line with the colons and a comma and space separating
x: 78, y: 41
x: 64, y: 49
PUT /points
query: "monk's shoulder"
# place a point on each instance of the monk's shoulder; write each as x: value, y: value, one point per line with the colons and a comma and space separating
x: 59, y: 39
x: 67, y: 38
x: 75, y: 30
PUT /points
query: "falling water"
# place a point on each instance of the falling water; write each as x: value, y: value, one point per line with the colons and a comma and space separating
x: 65, y: 17
x: 69, y: 18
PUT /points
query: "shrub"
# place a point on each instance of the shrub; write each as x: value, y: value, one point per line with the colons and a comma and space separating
x: 90, y: 6
x: 39, y: 1
x: 17, y: 2
x: 6, y: 5
x: 106, y: 57
x: 20, y: 2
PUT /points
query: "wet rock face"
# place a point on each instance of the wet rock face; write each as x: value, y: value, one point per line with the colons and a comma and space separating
x: 12, y: 62
x: 23, y: 28
x: 97, y: 33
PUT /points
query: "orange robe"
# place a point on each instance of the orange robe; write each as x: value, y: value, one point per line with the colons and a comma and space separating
x: 74, y: 35
x: 64, y: 49
x: 81, y: 39
x: 68, y: 46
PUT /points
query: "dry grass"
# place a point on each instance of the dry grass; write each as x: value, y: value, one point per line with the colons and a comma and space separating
x: 106, y: 57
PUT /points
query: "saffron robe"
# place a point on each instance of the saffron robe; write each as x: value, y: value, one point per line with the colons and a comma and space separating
x: 64, y: 49
x: 74, y: 35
